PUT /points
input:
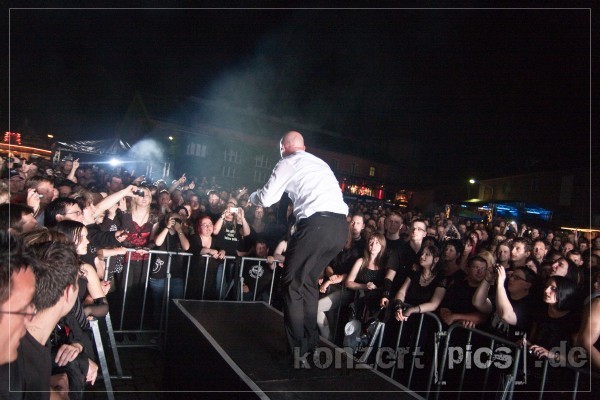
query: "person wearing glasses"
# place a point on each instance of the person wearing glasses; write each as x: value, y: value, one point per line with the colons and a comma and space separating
x: 513, y: 304
x: 61, y: 209
x: 68, y: 209
x: 17, y: 287
x: 56, y: 268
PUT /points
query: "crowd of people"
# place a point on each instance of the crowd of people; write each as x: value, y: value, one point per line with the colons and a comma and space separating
x: 59, y: 226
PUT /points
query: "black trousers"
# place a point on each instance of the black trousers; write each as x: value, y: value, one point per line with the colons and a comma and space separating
x: 318, y: 239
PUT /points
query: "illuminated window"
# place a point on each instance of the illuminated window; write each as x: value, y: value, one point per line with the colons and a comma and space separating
x: 262, y: 161
x: 260, y: 176
x: 233, y: 156
x: 229, y: 171
x: 196, y: 149
x: 371, y: 171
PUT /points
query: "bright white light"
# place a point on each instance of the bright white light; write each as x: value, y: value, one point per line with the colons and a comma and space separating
x: 114, y: 162
x: 170, y: 137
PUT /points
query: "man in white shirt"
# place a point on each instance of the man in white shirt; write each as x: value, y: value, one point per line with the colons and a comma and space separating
x: 321, y: 231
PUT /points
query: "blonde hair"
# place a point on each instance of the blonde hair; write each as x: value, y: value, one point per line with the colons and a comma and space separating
x: 489, y: 258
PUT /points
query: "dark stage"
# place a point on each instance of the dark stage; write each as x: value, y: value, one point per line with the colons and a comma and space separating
x: 238, y: 348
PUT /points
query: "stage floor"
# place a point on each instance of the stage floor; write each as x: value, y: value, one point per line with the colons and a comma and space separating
x: 247, y: 341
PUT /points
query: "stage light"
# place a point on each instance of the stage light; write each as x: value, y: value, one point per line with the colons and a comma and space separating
x: 114, y: 162
x: 170, y: 137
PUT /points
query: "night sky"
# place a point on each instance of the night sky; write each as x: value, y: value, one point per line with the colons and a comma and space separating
x: 467, y: 92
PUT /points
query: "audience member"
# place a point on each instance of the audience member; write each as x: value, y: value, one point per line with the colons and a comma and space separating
x: 17, y: 288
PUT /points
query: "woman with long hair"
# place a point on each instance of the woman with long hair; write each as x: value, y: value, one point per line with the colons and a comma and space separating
x: 92, y: 292
x: 559, y: 319
x: 423, y: 288
x: 367, y: 273
x: 553, y: 333
x: 137, y: 224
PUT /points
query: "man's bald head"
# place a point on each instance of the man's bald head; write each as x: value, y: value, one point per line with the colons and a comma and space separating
x: 291, y: 142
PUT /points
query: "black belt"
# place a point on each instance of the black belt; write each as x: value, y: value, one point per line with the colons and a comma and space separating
x: 329, y: 214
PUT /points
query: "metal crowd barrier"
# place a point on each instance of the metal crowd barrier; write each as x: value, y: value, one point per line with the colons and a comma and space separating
x: 592, y: 378
x: 507, y: 382
x: 262, y: 262
x: 207, y: 260
x: 164, y: 305
x: 413, y: 344
x: 508, y: 385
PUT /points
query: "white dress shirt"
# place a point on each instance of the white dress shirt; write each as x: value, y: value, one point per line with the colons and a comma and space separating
x: 309, y: 183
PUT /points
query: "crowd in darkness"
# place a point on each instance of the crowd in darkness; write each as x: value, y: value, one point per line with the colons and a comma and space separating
x: 59, y: 226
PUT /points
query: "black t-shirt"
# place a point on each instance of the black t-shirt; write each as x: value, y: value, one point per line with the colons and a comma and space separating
x: 366, y: 275
x: 417, y: 294
x: 551, y: 331
x: 457, y: 276
x: 525, y: 310
x: 160, y: 261
x: 229, y: 238
x: 406, y: 258
x: 344, y: 261
x: 257, y: 276
x: 11, y: 382
x: 459, y: 298
x: 35, y: 366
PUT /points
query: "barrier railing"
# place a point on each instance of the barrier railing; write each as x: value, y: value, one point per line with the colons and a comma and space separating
x: 207, y: 260
x: 414, y: 344
x: 438, y: 369
x: 566, y: 371
x: 124, y: 299
x: 513, y: 356
x: 259, y: 276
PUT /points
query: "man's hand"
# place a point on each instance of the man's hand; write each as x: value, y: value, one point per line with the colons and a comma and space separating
x: 67, y: 353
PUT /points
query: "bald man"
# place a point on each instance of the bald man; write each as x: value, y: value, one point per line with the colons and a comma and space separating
x: 321, y: 231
